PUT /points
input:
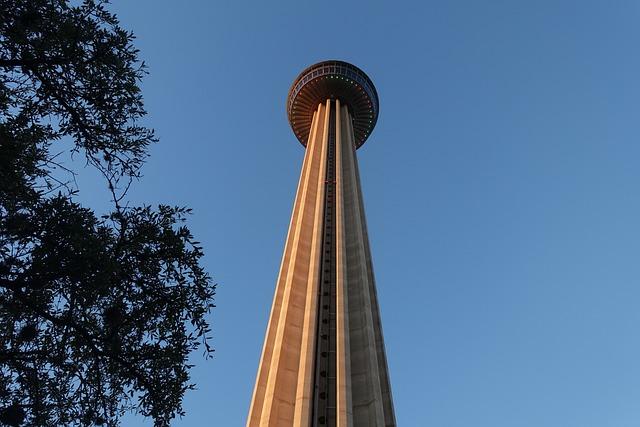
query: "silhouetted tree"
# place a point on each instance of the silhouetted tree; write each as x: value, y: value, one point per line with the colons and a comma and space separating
x: 98, y: 313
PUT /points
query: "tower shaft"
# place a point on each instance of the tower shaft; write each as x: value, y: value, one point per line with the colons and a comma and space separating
x: 323, y: 362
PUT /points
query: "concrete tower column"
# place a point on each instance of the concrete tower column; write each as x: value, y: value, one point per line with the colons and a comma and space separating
x: 323, y: 361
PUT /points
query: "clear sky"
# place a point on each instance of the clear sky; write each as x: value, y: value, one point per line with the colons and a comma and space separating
x: 501, y: 187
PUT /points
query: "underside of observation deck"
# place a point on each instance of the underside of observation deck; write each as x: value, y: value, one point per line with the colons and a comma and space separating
x: 333, y: 80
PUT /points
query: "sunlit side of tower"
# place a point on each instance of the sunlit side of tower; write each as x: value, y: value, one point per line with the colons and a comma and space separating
x: 323, y: 362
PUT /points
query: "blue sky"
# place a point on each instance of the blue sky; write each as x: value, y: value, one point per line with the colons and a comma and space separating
x: 501, y: 187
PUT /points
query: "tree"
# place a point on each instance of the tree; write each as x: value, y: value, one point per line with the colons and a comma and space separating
x: 98, y: 313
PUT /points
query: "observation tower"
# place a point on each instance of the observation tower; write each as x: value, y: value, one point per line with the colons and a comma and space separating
x: 323, y: 361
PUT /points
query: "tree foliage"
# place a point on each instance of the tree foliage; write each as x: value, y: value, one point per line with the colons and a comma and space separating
x: 98, y: 313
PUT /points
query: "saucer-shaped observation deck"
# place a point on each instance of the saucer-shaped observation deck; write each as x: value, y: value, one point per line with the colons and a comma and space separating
x: 333, y: 80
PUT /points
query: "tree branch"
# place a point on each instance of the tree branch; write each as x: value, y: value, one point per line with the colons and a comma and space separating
x: 28, y: 63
